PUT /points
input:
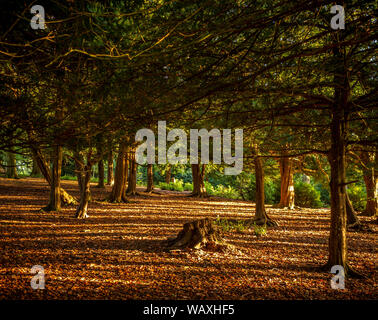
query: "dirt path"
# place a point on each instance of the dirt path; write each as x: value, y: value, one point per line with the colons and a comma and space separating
x: 117, y: 252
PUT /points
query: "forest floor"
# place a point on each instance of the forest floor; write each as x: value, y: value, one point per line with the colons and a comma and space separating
x: 118, y: 252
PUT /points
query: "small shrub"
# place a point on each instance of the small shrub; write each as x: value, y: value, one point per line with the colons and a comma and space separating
x: 307, y: 196
x: 259, y: 230
x: 357, y: 195
x: 188, y: 186
x: 178, y: 185
x: 232, y: 226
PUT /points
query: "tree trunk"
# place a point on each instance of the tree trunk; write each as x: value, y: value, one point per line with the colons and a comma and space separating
x: 101, y: 174
x: 371, y: 183
x: 85, y: 193
x: 35, y: 171
x: 199, y: 189
x: 168, y: 174
x: 118, y: 191
x: 150, y: 178
x: 44, y: 168
x: 287, y: 183
x: 11, y: 166
x: 110, y: 180
x: 338, y: 253
x: 352, y: 219
x: 126, y: 178
x: 261, y: 217
x: 197, y: 234
x: 131, y: 188
x: 55, y: 196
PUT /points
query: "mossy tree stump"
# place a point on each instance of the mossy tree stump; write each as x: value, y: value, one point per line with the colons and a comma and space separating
x: 197, y: 234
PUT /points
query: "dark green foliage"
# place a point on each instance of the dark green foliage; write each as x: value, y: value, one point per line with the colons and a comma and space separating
x: 307, y: 196
x: 357, y: 195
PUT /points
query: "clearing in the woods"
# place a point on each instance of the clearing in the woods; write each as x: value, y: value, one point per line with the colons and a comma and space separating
x: 120, y: 251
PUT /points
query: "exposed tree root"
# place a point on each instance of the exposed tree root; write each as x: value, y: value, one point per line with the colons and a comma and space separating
x: 265, y: 221
x: 359, y: 227
x: 348, y: 270
x: 81, y: 214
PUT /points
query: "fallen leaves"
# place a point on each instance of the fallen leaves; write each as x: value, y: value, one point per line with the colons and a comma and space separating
x: 118, y: 252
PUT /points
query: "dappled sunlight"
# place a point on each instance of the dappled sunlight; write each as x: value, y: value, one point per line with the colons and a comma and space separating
x: 118, y: 251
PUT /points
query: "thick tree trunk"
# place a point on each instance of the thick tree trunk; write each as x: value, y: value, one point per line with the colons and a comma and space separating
x: 101, y: 174
x: 168, y: 174
x: 110, y: 180
x: 118, y: 191
x: 11, y: 166
x: 85, y: 193
x: 287, y: 183
x: 132, y: 182
x: 55, y: 196
x: 199, y: 189
x: 371, y: 183
x: 338, y: 253
x: 197, y: 234
x: 150, y: 178
x: 44, y: 168
x: 261, y: 217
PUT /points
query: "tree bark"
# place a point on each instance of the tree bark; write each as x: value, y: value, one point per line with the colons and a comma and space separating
x: 11, y: 166
x: 101, y: 174
x: 352, y: 220
x: 44, y: 168
x: 56, y: 171
x: 110, y: 180
x: 261, y: 217
x: 85, y: 193
x: 150, y: 178
x: 168, y: 174
x: 199, y: 189
x: 35, y: 171
x: 338, y: 253
x: 118, y: 191
x: 131, y: 187
x: 287, y: 183
x: 371, y: 183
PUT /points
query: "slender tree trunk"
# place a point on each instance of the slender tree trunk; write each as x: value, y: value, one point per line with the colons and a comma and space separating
x: 79, y: 169
x: 261, y: 217
x: 35, y: 171
x: 168, y: 174
x: 117, y: 194
x: 371, y: 183
x: 126, y: 178
x: 55, y: 196
x: 101, y: 174
x: 150, y: 178
x: 85, y: 193
x: 110, y: 180
x: 11, y: 166
x: 287, y: 182
x: 199, y: 189
x: 352, y: 219
x: 44, y: 168
x: 131, y: 188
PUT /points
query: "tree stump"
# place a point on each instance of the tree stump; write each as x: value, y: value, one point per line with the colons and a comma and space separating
x: 197, y: 234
